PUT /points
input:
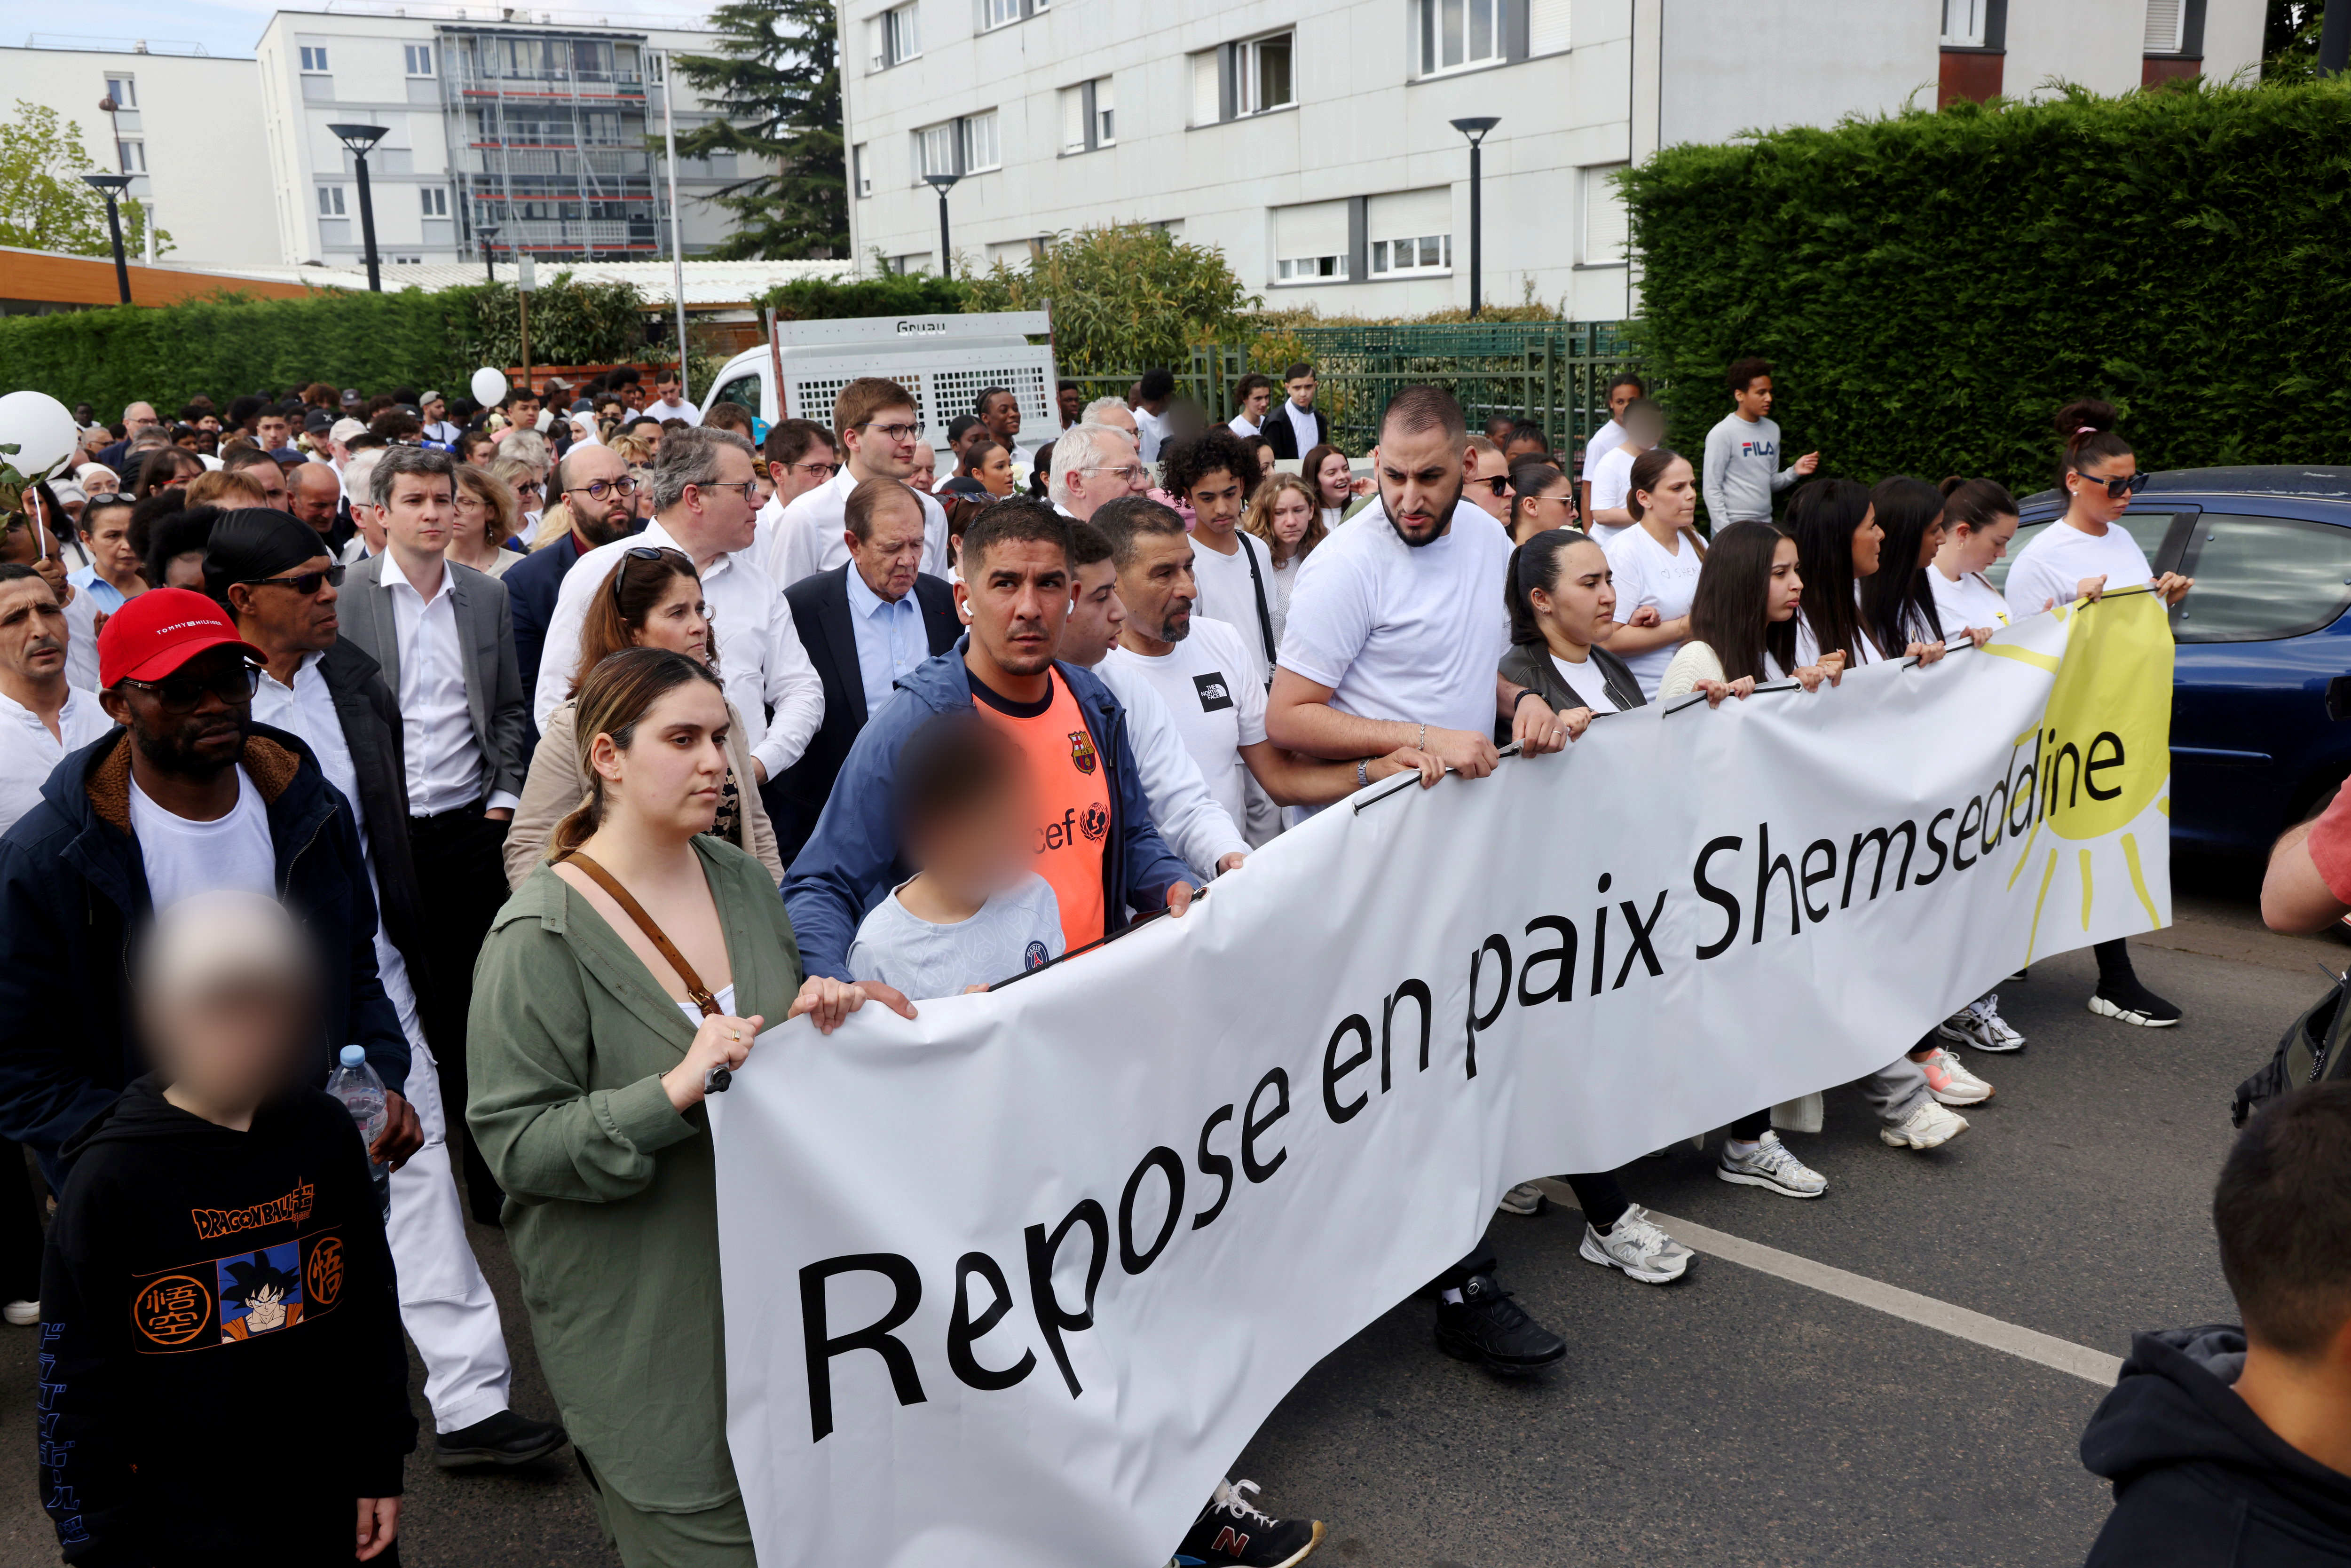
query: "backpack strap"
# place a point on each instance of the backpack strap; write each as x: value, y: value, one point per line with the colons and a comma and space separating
x: 1264, y: 615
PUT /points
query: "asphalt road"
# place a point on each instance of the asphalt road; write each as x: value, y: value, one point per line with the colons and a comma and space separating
x: 1733, y: 1418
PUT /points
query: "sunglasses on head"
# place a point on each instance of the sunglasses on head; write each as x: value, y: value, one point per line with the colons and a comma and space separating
x: 2120, y: 485
x: 181, y: 694
x: 305, y: 583
x: 648, y: 552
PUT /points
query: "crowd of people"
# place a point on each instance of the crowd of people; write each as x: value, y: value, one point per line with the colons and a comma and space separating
x: 581, y: 746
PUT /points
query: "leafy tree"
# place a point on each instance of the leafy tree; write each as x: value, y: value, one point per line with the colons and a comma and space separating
x: 44, y: 206
x: 776, y: 80
x: 2290, y: 40
x: 1124, y: 297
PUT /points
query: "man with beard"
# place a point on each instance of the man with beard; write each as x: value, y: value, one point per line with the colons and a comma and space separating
x: 1395, y: 631
x: 594, y: 481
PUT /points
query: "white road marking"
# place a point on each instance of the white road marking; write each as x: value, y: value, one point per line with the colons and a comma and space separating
x: 2030, y: 1344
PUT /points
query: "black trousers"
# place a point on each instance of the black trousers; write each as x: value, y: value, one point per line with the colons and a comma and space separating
x: 461, y: 872
x: 20, y: 1228
x: 1600, y: 1196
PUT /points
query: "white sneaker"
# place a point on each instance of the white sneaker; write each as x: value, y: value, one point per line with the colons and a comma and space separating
x: 1524, y: 1198
x: 23, y: 1314
x: 1979, y: 1024
x: 1635, y: 1245
x: 1929, y: 1126
x: 1772, y: 1166
x: 1951, y: 1083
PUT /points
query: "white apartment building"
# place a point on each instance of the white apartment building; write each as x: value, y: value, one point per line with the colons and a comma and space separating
x: 1313, y: 141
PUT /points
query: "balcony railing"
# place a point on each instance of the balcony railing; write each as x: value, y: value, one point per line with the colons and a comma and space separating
x: 612, y: 164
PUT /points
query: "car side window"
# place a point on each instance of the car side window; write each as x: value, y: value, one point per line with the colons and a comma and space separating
x: 2148, y: 528
x: 2261, y: 578
x: 742, y: 390
x: 1997, y: 573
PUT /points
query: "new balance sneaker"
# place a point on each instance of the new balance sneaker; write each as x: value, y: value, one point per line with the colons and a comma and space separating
x: 1635, y: 1245
x: 1950, y: 1083
x: 1769, y: 1165
x: 1231, y: 1533
x: 1524, y: 1198
x: 1487, y: 1327
x: 1927, y: 1127
x: 1979, y: 1024
x: 2128, y: 1002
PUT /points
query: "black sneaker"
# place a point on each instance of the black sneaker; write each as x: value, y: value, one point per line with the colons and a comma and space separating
x: 1486, y: 1325
x: 503, y: 1439
x: 2128, y: 1002
x: 1229, y: 1533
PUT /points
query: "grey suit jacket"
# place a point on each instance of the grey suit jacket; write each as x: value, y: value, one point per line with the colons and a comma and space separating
x: 485, y: 617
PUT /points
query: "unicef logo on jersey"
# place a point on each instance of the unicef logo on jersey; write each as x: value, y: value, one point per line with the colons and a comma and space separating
x: 1095, y: 824
x: 1036, y: 957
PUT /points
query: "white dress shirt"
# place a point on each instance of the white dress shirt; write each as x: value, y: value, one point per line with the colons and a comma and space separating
x: 807, y: 538
x: 29, y: 752
x: 445, y: 761
x: 760, y: 656
x: 890, y: 640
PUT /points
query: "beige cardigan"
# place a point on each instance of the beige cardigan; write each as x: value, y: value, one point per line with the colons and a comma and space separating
x: 557, y: 784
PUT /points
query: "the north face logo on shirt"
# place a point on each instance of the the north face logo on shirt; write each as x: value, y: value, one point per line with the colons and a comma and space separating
x: 1095, y: 824
x: 1081, y: 751
x: 1214, y: 692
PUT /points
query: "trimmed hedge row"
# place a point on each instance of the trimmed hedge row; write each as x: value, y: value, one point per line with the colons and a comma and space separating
x: 228, y: 344
x: 1931, y: 286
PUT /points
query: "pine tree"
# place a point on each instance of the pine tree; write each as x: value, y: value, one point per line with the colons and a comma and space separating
x: 776, y: 80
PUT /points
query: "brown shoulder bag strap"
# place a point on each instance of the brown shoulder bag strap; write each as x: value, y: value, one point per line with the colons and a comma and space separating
x: 622, y: 896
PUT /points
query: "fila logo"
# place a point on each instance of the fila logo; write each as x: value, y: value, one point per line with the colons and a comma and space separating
x: 1231, y: 1541
x: 1214, y: 692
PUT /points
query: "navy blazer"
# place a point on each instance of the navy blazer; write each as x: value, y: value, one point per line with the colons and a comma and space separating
x: 532, y: 584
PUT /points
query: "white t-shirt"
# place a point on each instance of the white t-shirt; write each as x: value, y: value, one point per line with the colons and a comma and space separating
x: 1277, y: 589
x: 184, y: 857
x: 1151, y: 430
x: 1413, y: 635
x: 1970, y: 602
x: 2060, y: 555
x: 1217, y: 706
x: 1229, y: 594
x: 1587, y: 683
x: 1017, y: 930
x: 1863, y: 650
x: 29, y: 752
x: 1603, y: 441
x: 724, y: 995
x: 1612, y: 478
x: 1647, y: 573
x: 665, y: 413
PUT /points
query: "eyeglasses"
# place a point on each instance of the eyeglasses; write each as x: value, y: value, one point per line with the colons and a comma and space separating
x: 900, y: 432
x: 1128, y: 474
x: 816, y: 471
x: 599, y: 488
x: 650, y: 552
x: 2120, y: 485
x: 749, y: 487
x: 181, y: 694
x: 305, y: 583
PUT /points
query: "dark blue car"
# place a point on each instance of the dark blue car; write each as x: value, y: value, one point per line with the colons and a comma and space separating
x: 2263, y: 679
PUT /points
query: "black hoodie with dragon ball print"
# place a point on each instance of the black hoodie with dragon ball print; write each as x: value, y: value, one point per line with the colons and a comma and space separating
x: 222, y: 1371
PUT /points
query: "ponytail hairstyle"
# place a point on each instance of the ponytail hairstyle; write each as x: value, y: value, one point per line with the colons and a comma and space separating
x: 1729, y: 612
x: 1897, y: 605
x: 1822, y: 517
x: 1647, y: 469
x: 1529, y: 480
x: 617, y: 693
x: 2087, y: 429
x: 620, y: 607
x: 1977, y: 503
x: 1534, y: 564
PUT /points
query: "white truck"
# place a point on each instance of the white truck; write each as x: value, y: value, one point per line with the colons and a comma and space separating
x: 946, y: 362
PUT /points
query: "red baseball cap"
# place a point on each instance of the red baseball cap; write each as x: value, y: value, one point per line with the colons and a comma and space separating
x: 160, y: 630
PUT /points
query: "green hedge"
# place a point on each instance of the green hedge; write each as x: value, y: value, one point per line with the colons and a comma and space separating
x: 1932, y: 285
x: 229, y: 344
x: 888, y: 294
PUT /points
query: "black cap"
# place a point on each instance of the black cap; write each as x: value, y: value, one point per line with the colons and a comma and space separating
x: 255, y: 542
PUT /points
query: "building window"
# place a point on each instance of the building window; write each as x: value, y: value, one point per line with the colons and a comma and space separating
x: 330, y: 202
x: 123, y: 90
x: 1233, y: 81
x: 965, y: 146
x: 1088, y: 121
x: 1963, y: 24
x: 1425, y: 253
x: 1455, y: 34
x: 314, y: 59
x: 1607, y: 235
x: 1311, y: 269
x: 998, y: 13
x: 131, y: 155
x: 436, y: 201
x: 894, y: 37
x: 981, y: 151
x: 1313, y: 241
x: 2166, y: 26
x: 912, y: 261
x: 1547, y: 31
x: 419, y: 58
x: 862, y: 170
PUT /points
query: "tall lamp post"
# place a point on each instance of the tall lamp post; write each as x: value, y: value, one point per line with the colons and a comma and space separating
x: 1475, y: 127
x: 945, y: 182
x: 485, y: 233
x: 361, y: 141
x: 111, y: 187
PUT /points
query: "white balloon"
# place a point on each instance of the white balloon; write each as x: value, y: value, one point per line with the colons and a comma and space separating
x: 42, y: 430
x: 488, y: 385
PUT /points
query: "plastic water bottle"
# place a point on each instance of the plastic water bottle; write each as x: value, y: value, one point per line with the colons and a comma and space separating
x: 362, y: 1094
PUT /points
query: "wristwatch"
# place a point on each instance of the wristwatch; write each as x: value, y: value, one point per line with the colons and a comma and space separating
x: 1362, y: 771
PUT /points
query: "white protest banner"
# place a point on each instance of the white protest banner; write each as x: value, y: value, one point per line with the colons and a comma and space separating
x: 1012, y: 1284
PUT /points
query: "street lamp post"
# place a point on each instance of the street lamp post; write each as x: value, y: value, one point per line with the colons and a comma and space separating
x: 1475, y: 127
x: 945, y: 182
x: 111, y: 187
x: 361, y: 141
x: 486, y: 232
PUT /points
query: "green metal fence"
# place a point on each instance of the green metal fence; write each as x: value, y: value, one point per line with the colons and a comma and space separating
x: 1553, y: 374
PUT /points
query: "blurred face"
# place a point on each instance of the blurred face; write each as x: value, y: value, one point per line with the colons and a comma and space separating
x: 1421, y: 474
x: 981, y: 848
x: 33, y: 633
x: 995, y: 472
x: 1216, y: 500
x: 1675, y: 500
x: 1259, y: 402
x: 186, y: 738
x: 1159, y: 588
x: 1001, y: 417
x: 421, y: 513
x: 272, y: 431
x: 1301, y: 389
x: 815, y: 466
x: 600, y: 492
x: 277, y: 618
x: 231, y: 1043
x: 883, y: 446
x: 1292, y: 515
x: 926, y: 471
x: 110, y: 544
x: 668, y: 779
x: 1977, y: 548
x: 679, y: 623
x: 1336, y: 480
x: 1581, y: 603
x: 1866, y: 538
x: 1754, y: 399
x: 890, y: 558
x: 1097, y: 615
x: 1784, y: 595
x: 1018, y: 596
x: 1618, y: 396
x: 2089, y: 490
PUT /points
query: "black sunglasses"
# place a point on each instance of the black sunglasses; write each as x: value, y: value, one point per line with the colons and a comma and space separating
x: 2121, y: 485
x: 305, y: 583
x: 181, y: 694
x: 649, y: 552
x: 1498, y: 486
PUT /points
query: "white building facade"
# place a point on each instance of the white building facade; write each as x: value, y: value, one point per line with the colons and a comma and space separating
x: 1313, y: 141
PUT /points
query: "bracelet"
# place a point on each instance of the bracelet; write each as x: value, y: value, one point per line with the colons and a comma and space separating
x: 1362, y: 771
x: 1422, y: 744
x: 1524, y: 693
